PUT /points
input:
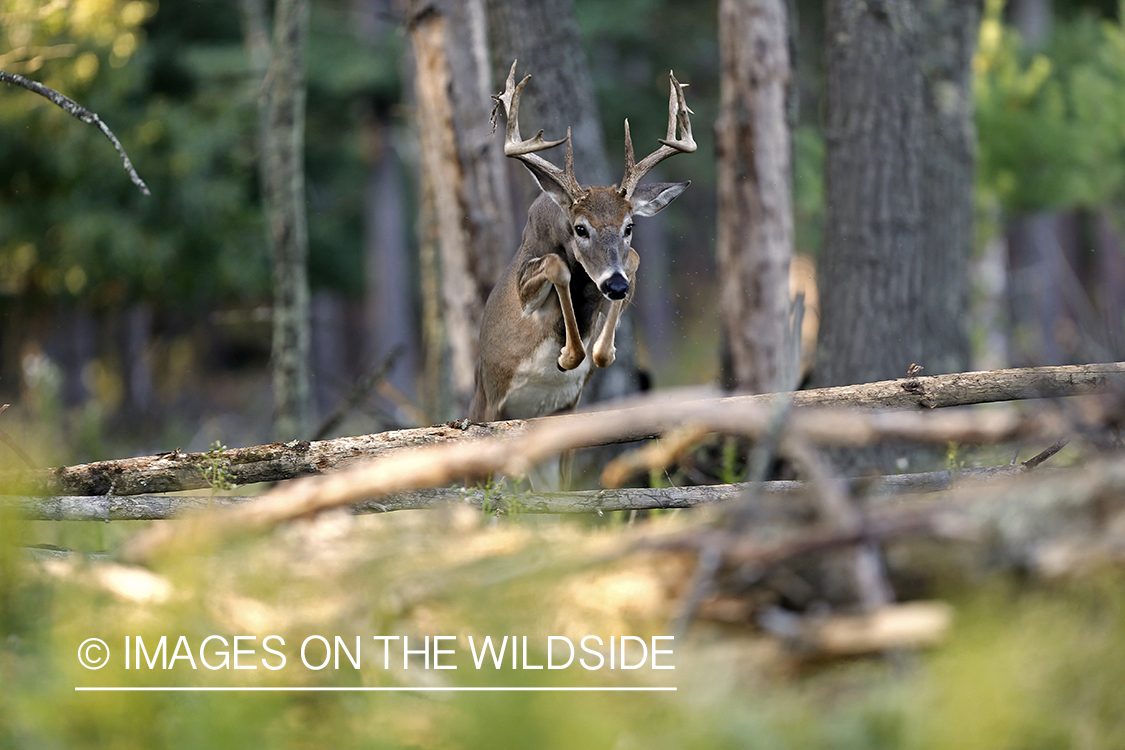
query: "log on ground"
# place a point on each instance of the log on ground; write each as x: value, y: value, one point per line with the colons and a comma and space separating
x: 178, y: 471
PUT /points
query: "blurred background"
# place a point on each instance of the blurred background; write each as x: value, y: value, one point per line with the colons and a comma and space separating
x: 945, y: 191
x: 133, y: 324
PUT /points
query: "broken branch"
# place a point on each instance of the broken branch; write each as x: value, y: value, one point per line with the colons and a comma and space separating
x: 75, y: 109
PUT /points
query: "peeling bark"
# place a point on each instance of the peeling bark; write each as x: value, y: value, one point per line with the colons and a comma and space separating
x: 755, y: 231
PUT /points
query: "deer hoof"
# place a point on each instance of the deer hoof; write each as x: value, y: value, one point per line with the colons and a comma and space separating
x: 605, y: 359
x: 568, y: 360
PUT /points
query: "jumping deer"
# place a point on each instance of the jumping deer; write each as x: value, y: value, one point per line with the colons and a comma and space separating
x: 563, y: 292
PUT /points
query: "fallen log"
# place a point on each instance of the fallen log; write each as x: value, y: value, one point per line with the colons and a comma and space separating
x: 165, y: 507
x: 177, y: 471
x: 442, y: 465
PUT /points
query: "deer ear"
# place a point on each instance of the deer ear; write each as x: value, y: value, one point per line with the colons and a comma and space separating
x: 550, y: 186
x: 651, y: 198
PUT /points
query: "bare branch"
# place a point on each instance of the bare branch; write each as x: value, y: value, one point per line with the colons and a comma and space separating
x: 1034, y: 461
x: 359, y: 392
x: 77, y: 110
x: 8, y: 441
x: 895, y: 626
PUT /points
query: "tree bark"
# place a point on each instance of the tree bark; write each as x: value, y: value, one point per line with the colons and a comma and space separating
x: 755, y: 231
x: 390, y: 295
x: 871, y: 266
x: 1034, y: 238
x: 948, y: 163
x: 175, y: 471
x: 543, y: 36
x: 463, y: 175
x: 281, y: 118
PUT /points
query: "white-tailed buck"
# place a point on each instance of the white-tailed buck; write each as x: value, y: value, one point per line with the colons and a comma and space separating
x: 563, y: 293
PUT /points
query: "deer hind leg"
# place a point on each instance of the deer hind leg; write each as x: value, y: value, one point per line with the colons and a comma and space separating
x: 604, y: 349
x: 557, y: 272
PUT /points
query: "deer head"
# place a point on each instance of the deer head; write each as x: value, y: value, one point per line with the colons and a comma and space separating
x: 599, y: 220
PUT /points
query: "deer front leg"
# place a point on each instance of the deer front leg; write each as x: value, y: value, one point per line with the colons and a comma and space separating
x: 604, y: 349
x: 553, y: 268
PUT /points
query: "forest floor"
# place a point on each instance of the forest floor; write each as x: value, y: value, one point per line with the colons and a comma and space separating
x: 986, y: 613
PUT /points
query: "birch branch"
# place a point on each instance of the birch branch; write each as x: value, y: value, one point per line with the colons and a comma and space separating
x: 647, y: 418
x: 75, y: 109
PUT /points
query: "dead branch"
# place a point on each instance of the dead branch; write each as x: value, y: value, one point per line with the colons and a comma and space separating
x: 1034, y: 461
x: 8, y: 441
x: 358, y: 393
x: 895, y: 626
x: 1016, y: 515
x: 165, y: 507
x: 439, y: 465
x: 831, y: 424
x: 838, y: 508
x: 77, y: 110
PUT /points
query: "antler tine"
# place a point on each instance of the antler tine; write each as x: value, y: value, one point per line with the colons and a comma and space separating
x: 678, y: 120
x: 525, y: 150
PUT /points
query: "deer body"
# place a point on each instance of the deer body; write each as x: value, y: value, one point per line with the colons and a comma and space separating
x: 551, y: 317
x: 535, y: 372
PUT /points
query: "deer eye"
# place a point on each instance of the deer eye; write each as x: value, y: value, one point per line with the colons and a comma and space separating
x: 628, y: 229
x: 580, y: 230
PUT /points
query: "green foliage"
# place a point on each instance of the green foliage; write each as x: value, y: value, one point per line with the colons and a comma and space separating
x: 83, y: 229
x: 954, y: 456
x: 503, y: 497
x: 808, y: 188
x: 1051, y: 123
x: 173, y: 83
x: 732, y: 465
x: 217, y: 472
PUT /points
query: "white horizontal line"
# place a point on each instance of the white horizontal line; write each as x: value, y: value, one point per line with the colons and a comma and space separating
x: 374, y: 689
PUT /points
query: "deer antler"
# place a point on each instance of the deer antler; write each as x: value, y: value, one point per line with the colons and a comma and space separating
x: 678, y: 112
x: 525, y: 150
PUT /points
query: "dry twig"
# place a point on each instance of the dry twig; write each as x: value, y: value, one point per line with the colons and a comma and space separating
x: 75, y: 109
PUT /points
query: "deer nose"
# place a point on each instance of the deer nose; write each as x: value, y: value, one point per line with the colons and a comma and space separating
x: 616, y: 286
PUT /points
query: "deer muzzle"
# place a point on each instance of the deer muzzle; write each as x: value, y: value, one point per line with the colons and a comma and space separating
x: 615, y: 287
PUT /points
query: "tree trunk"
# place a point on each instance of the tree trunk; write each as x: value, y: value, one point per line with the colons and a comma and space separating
x: 463, y: 174
x: 871, y: 267
x: 329, y: 347
x: 1035, y: 302
x: 389, y: 301
x: 948, y: 164
x: 543, y: 36
x: 282, y: 122
x: 1109, y: 271
x: 136, y: 333
x: 755, y: 232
